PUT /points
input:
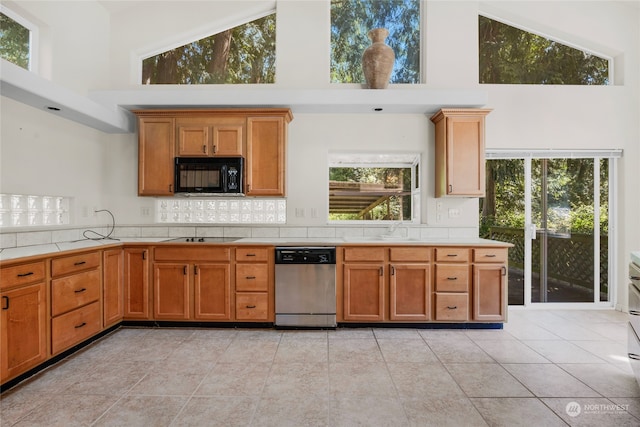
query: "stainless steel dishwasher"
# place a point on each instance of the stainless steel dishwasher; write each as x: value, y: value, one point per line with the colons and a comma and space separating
x: 305, y: 287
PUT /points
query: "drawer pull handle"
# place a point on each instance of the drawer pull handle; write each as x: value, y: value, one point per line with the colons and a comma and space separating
x: 634, y: 312
x: 504, y: 270
x: 251, y: 306
x: 452, y: 255
x: 250, y: 277
x: 490, y: 255
x: 452, y: 278
x: 79, y: 262
x: 452, y: 308
x: 6, y: 302
x: 80, y: 290
x: 633, y: 356
x: 634, y: 277
x: 81, y: 325
x: 250, y: 255
x: 31, y: 273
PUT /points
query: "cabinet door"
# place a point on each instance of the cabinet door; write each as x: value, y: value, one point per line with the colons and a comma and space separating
x: 112, y: 287
x: 465, y: 156
x: 363, y: 292
x: 171, y: 291
x: 489, y: 292
x: 212, y: 291
x: 410, y: 292
x: 23, y: 329
x: 136, y: 284
x: 193, y: 140
x: 265, y: 156
x: 227, y: 140
x: 156, y: 148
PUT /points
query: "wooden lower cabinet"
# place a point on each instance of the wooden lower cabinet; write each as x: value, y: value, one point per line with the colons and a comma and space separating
x: 452, y: 306
x: 75, y: 326
x: 112, y: 287
x: 254, y: 283
x: 171, y: 289
x: 489, y: 292
x: 23, y: 329
x: 252, y: 306
x: 212, y: 292
x: 410, y: 292
x: 136, y: 284
x: 364, y: 291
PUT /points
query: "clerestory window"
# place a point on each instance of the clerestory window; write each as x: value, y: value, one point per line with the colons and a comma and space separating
x: 374, y: 186
x: 509, y: 55
x: 351, y: 20
x: 17, y: 39
x: 244, y: 54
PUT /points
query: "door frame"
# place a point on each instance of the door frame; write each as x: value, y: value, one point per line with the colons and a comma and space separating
x: 530, y: 231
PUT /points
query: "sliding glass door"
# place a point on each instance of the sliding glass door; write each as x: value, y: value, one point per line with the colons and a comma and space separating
x: 555, y: 211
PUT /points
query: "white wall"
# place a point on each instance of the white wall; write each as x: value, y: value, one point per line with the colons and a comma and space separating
x: 92, y: 166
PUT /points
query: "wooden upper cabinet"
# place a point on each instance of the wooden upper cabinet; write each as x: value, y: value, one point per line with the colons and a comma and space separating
x: 210, y: 136
x: 266, y: 154
x: 156, y: 151
x: 459, y: 152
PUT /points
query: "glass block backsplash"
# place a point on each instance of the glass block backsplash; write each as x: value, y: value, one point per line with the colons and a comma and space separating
x: 221, y: 211
x: 18, y: 210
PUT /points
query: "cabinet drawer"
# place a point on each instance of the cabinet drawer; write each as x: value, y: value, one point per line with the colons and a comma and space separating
x: 364, y: 254
x: 74, y: 327
x: 252, y: 306
x: 252, y: 277
x: 21, y: 274
x: 452, y: 254
x: 410, y: 253
x: 452, y: 278
x: 71, y: 264
x: 252, y: 254
x: 452, y: 306
x: 74, y: 291
x: 490, y: 255
x: 191, y: 253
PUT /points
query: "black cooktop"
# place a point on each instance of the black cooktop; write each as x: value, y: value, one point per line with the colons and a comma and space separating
x: 203, y: 239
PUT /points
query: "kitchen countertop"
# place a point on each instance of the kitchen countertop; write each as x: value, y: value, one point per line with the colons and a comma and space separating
x: 54, y: 248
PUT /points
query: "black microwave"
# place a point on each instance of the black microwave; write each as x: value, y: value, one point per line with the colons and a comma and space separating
x: 209, y: 175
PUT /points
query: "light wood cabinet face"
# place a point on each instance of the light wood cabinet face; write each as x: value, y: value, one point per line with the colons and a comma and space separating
x: 156, y: 153
x: 459, y: 152
x: 136, y: 284
x: 452, y: 278
x: 23, y: 329
x: 252, y: 306
x: 265, y: 166
x: 171, y: 291
x: 410, y: 292
x: 75, y: 263
x: 364, y: 290
x: 75, y: 326
x: 452, y: 306
x: 22, y: 274
x: 254, y: 283
x: 71, y: 292
x: 489, y: 292
x: 112, y: 287
x: 212, y: 292
x: 210, y: 140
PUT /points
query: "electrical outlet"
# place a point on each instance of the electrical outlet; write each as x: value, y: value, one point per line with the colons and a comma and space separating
x: 314, y: 212
x: 299, y: 212
x: 85, y: 211
x: 438, y: 206
x: 454, y: 213
x: 145, y: 211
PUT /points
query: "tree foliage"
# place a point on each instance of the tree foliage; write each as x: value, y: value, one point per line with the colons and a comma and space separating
x: 512, y: 56
x: 244, y: 54
x: 14, y: 42
x: 351, y: 20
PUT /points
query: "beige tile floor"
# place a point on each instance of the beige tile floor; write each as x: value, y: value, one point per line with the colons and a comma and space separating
x: 527, y: 374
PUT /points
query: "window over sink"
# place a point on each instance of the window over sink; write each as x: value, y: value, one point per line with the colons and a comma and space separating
x: 374, y: 187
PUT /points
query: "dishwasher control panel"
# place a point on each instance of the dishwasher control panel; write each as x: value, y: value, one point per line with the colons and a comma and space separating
x: 305, y: 255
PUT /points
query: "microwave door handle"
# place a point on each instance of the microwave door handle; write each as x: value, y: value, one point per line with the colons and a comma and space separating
x: 223, y: 173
